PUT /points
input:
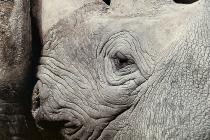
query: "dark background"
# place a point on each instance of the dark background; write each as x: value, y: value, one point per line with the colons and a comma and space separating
x: 107, y: 1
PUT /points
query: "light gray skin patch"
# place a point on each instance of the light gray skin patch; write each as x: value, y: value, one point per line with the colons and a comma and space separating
x: 104, y: 76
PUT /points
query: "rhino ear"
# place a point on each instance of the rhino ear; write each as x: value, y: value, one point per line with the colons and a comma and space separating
x: 51, y: 12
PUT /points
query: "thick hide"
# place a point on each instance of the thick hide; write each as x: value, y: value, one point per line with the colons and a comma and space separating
x: 134, y: 70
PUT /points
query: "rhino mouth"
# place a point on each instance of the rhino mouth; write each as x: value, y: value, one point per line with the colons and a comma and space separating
x: 50, y: 130
x: 56, y: 130
x: 51, y: 125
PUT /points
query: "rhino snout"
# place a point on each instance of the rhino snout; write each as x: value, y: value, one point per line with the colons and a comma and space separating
x: 55, y: 124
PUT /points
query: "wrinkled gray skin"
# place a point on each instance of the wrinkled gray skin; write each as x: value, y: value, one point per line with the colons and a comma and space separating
x: 105, y: 74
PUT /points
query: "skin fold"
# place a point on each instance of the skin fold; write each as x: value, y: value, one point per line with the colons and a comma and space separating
x: 107, y: 74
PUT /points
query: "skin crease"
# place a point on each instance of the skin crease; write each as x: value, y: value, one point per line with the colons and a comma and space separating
x: 103, y: 75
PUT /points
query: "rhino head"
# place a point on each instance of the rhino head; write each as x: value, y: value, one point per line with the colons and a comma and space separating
x: 132, y: 70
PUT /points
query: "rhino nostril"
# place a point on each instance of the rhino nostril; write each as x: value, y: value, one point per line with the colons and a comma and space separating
x: 57, y: 128
x: 51, y: 125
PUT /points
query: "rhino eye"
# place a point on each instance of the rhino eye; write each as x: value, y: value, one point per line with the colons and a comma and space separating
x: 122, y: 62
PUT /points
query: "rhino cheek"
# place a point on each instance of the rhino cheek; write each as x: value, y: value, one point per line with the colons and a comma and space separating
x: 176, y: 105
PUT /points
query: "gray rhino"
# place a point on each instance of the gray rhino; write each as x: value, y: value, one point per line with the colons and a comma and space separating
x: 131, y: 70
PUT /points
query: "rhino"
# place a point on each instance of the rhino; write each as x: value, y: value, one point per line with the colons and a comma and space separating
x: 111, y: 70
x: 130, y: 70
